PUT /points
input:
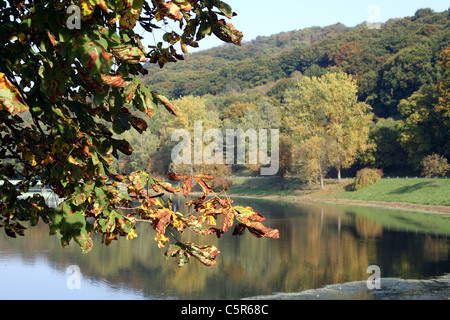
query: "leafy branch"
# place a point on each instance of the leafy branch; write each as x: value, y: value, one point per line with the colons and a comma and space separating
x: 52, y: 121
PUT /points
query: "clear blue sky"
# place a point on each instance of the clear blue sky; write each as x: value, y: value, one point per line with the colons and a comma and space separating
x: 266, y: 17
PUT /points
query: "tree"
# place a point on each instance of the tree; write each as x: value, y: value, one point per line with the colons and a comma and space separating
x: 426, y: 117
x: 328, y: 107
x: 402, y: 75
x: 74, y: 69
x: 315, y: 157
x: 435, y: 165
x: 286, y: 158
x: 387, y: 151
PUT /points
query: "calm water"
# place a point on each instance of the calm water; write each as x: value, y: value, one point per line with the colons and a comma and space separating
x: 319, y: 245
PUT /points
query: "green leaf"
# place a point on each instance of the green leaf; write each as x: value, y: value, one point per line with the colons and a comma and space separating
x: 226, y: 32
x: 204, y: 30
x: 93, y: 52
x: 224, y: 8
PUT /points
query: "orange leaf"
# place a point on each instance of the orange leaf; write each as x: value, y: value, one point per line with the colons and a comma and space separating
x: 114, y: 81
x: 187, y: 186
x: 165, y: 102
x: 205, y: 187
x: 174, y: 177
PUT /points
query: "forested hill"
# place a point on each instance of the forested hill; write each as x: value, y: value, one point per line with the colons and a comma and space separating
x: 390, y: 63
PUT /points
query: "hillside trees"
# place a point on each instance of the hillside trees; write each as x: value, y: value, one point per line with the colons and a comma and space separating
x: 425, y: 127
x: 390, y: 65
x: 71, y: 80
x: 386, y: 151
x: 402, y: 75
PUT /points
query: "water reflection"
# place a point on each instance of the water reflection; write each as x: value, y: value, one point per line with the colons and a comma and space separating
x: 319, y: 245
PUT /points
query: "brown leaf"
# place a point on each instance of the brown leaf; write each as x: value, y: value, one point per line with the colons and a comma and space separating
x: 205, y: 187
x: 187, y: 186
x: 165, y: 102
x: 259, y: 230
x: 52, y: 39
x: 169, y: 9
x: 257, y: 217
x: 204, y: 176
x: 205, y: 254
x: 149, y: 111
x: 239, y: 229
x: 139, y: 124
x: 156, y: 187
x: 228, y: 220
x: 86, y: 151
x: 161, y: 219
x: 174, y: 176
x: 225, y: 203
x: 197, y: 202
x: 115, y: 81
x: 169, y: 188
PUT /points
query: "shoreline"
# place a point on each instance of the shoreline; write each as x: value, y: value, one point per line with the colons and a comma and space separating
x: 442, y: 211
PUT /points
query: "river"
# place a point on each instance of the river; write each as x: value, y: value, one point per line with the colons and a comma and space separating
x: 324, y: 251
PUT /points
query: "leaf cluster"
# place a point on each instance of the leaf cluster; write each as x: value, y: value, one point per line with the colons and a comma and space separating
x: 80, y: 90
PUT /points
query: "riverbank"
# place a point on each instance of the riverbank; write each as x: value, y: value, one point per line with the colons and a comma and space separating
x: 390, y: 289
x: 423, y: 195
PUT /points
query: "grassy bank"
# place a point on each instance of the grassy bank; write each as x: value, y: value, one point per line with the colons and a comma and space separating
x: 417, y: 191
x: 412, y: 194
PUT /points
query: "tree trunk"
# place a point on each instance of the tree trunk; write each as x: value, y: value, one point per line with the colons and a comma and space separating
x: 339, y: 173
x: 321, y: 181
x: 321, y: 177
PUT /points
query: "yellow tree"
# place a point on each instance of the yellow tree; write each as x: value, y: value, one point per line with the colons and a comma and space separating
x: 328, y: 107
x: 195, y: 135
x: 315, y: 158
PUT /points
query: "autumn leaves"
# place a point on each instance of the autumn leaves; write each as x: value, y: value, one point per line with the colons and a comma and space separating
x: 65, y: 128
x: 203, y: 211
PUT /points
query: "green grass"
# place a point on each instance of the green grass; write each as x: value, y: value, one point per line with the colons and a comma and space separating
x: 404, y: 220
x: 417, y: 191
x: 409, y: 191
x: 267, y: 186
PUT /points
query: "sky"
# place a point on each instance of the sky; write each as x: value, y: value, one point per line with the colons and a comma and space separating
x: 266, y: 17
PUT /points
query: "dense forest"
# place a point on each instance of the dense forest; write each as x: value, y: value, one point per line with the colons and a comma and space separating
x: 401, y: 71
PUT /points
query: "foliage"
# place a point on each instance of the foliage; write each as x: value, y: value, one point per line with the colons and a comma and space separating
x: 385, y: 151
x: 426, y: 117
x: 366, y: 177
x: 328, y: 108
x: 402, y: 54
x: 77, y: 85
x: 403, y: 74
x: 399, y: 71
x: 314, y: 157
x: 435, y: 165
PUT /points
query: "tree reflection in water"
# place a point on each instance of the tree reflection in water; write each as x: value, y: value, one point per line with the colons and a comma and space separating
x: 319, y: 245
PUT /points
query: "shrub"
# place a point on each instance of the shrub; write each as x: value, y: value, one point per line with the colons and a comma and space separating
x: 366, y: 177
x: 222, y: 183
x: 435, y: 165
